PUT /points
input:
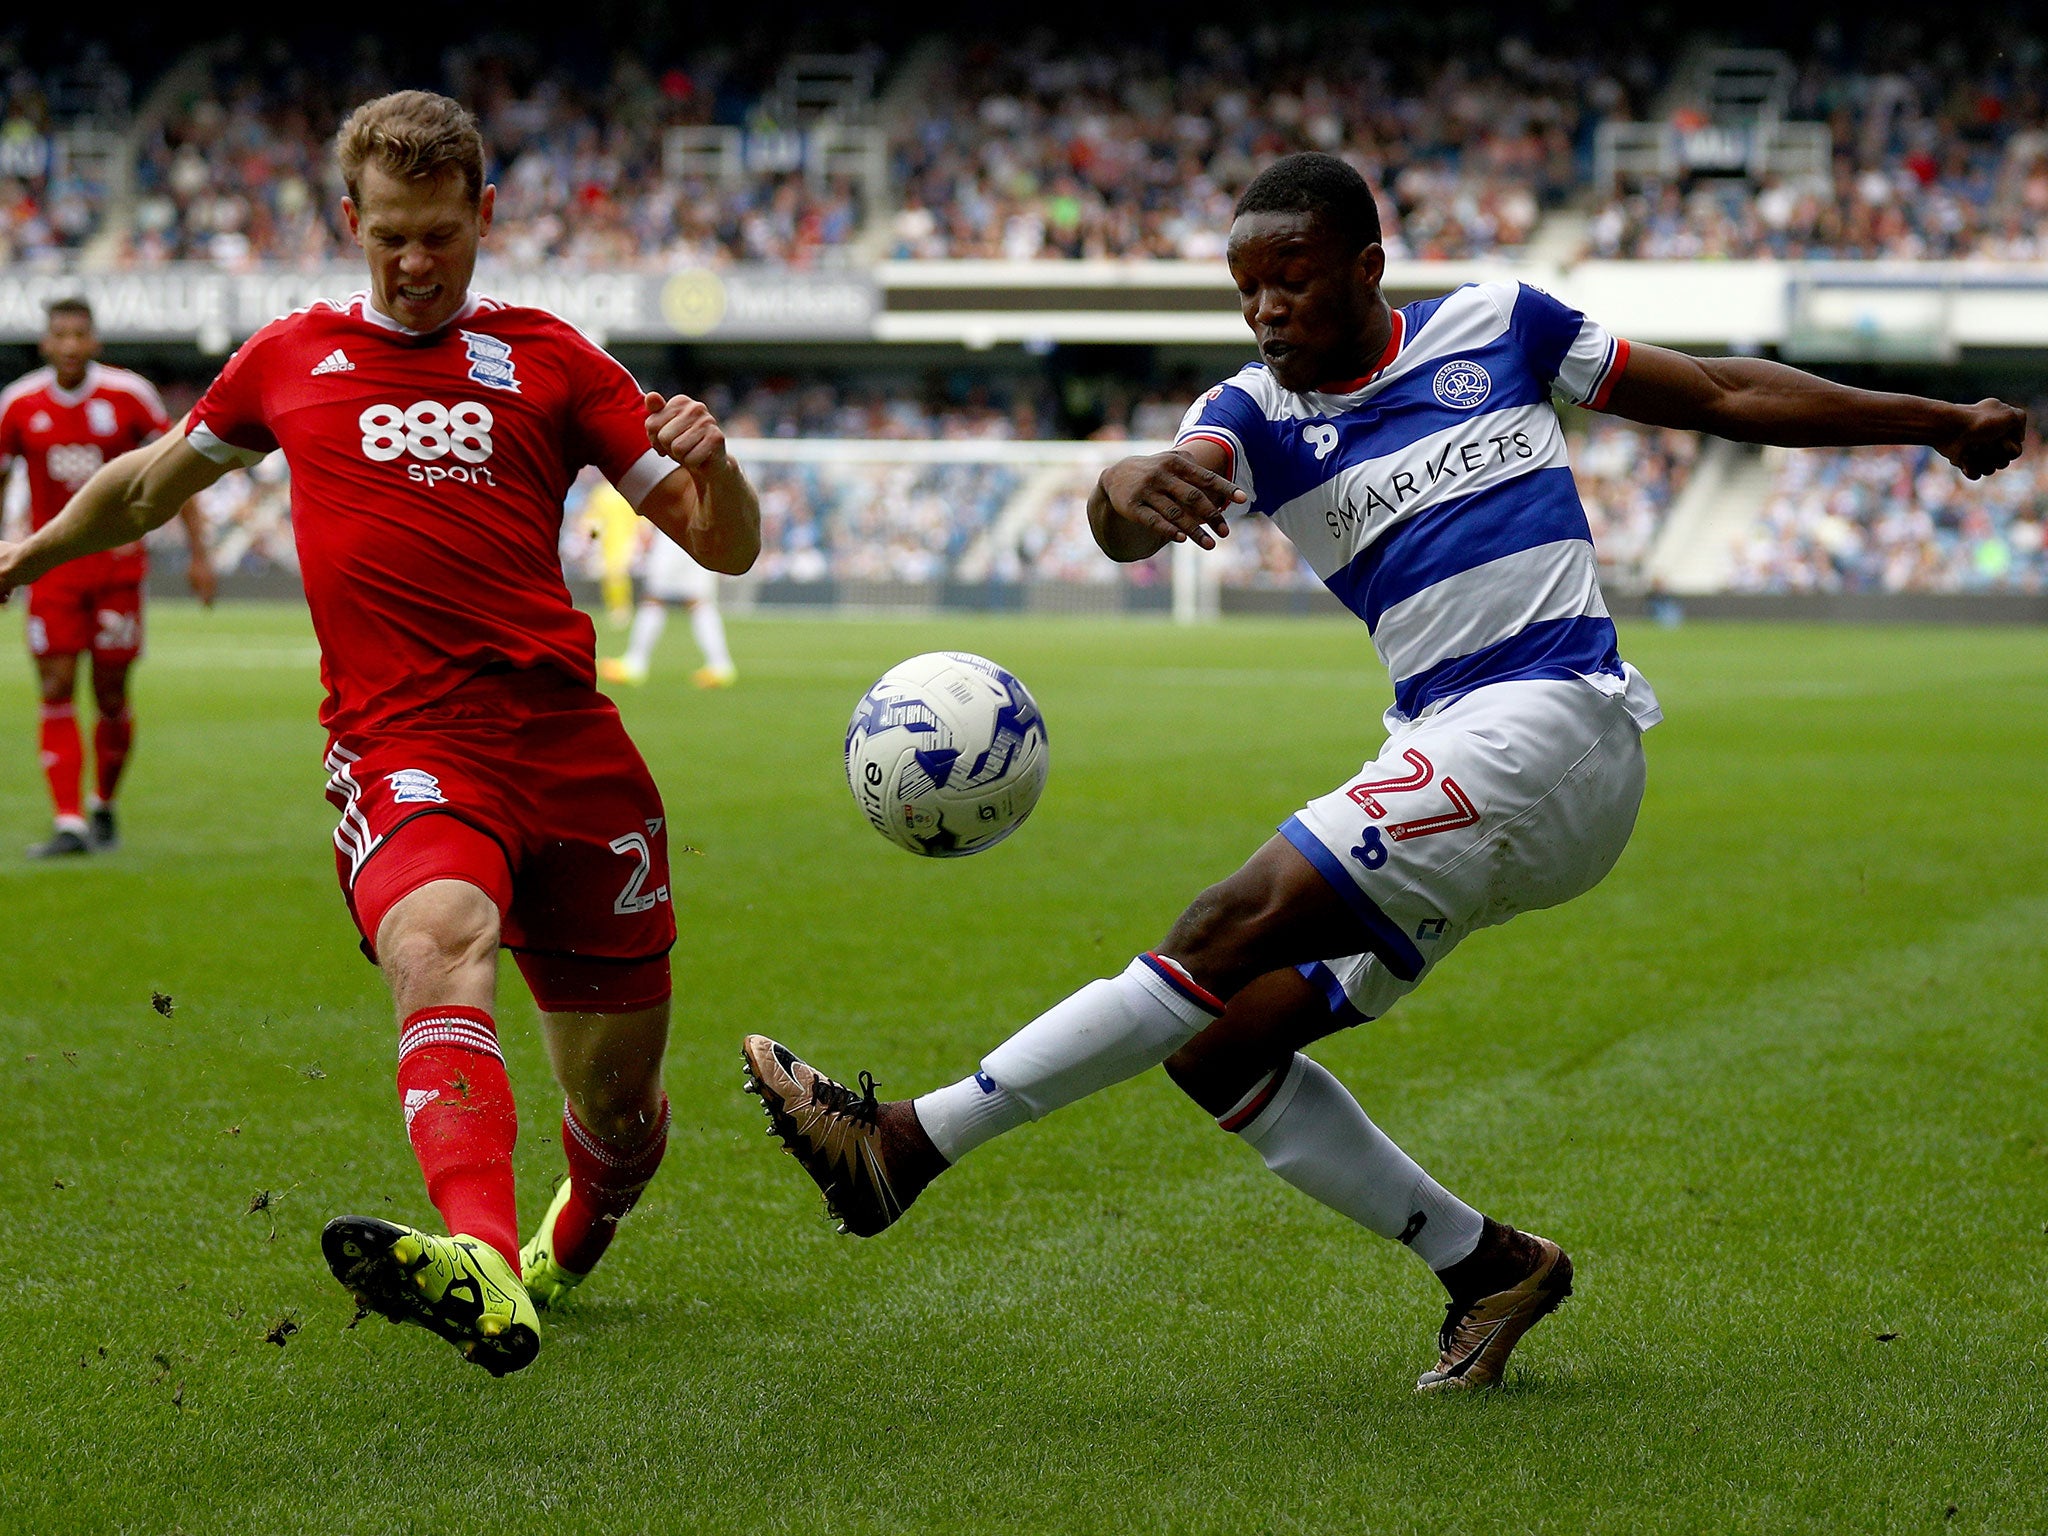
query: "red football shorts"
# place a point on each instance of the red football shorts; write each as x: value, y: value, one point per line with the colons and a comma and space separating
x: 525, y: 785
x: 92, y: 605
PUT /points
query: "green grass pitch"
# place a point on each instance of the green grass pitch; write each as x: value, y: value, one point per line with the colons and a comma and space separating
x: 1781, y: 1085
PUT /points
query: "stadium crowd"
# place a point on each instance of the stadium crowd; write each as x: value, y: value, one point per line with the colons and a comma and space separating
x: 51, y: 204
x: 241, y: 171
x: 1056, y: 151
x: 1932, y: 158
x: 1897, y: 520
x: 1049, y: 148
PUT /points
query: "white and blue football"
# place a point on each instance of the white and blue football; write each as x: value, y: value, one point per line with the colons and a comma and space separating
x: 946, y: 754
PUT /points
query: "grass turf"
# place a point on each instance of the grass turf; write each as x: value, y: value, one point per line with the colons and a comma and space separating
x: 1778, y: 1084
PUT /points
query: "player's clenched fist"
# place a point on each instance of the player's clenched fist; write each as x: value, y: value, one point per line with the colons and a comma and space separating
x: 686, y: 431
x: 1991, y: 437
x: 1172, y: 496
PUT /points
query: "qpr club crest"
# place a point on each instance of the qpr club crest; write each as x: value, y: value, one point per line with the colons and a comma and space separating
x: 490, y: 361
x: 1462, y: 384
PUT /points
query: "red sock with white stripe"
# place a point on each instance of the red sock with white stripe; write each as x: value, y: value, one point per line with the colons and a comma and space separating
x: 64, y: 763
x: 605, y: 1182
x: 112, y: 738
x: 1109, y: 1030
x: 461, y: 1120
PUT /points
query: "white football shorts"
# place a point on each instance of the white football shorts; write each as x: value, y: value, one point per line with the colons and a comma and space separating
x: 673, y: 576
x: 1514, y: 797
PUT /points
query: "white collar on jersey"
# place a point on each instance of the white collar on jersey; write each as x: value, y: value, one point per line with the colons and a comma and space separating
x: 370, y: 312
x: 86, y: 386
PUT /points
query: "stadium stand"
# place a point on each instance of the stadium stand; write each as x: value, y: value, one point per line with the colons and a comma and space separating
x: 1897, y: 520
x: 1931, y: 157
x: 1628, y: 477
x: 57, y: 116
x: 239, y: 172
x: 1048, y: 151
x: 1051, y: 148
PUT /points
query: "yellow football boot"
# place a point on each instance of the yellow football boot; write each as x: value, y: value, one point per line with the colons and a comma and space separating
x: 459, y: 1287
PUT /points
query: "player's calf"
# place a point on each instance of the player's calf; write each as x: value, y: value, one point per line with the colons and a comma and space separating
x: 63, y: 759
x: 460, y: 1118
x: 607, y: 1175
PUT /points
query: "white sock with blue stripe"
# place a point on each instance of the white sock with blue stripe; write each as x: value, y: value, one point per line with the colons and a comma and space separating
x: 1312, y: 1132
x: 1109, y: 1030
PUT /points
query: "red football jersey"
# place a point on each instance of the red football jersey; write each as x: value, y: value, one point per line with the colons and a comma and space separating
x: 428, y: 473
x: 63, y: 435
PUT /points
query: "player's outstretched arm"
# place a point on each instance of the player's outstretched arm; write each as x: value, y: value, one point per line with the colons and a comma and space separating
x: 712, y: 511
x: 1752, y: 400
x: 123, y: 500
x: 1140, y: 505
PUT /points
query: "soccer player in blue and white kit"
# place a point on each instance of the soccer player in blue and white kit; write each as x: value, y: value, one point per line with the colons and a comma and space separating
x: 1414, y: 458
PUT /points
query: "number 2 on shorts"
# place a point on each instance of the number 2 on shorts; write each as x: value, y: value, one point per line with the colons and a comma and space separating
x: 635, y: 898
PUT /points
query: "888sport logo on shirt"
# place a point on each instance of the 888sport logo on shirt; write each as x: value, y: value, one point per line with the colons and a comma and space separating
x: 428, y: 433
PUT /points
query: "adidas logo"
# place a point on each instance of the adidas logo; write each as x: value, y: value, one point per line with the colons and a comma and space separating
x: 416, y: 1099
x: 334, y: 362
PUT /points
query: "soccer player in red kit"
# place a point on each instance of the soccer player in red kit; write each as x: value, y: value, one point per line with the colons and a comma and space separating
x: 488, y: 793
x: 64, y: 421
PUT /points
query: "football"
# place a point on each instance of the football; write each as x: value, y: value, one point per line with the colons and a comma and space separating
x: 946, y: 754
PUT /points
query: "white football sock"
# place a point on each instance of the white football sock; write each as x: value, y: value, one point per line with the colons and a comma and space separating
x: 1312, y: 1132
x: 648, y: 624
x: 1108, y: 1031
x: 709, y: 630
x: 960, y: 1117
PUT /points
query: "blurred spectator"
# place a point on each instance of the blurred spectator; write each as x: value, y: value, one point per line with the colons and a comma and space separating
x: 50, y: 203
x: 1931, y: 160
x: 242, y: 172
x: 1897, y: 520
x: 1628, y: 476
x: 248, y: 520
x: 1044, y: 151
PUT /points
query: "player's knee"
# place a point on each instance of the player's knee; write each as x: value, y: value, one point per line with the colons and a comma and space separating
x: 1268, y: 1020
x: 110, y: 694
x: 620, y: 1110
x: 57, y: 679
x: 443, y: 930
x: 1219, y: 936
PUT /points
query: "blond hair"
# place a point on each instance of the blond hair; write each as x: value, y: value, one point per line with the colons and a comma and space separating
x: 413, y: 135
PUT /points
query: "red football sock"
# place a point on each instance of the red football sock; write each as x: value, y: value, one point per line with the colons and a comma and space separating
x: 604, y: 1184
x: 111, y: 739
x: 460, y: 1116
x: 63, y: 758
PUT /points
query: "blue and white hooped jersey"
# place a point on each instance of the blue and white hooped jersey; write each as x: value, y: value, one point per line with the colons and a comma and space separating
x: 1435, y: 499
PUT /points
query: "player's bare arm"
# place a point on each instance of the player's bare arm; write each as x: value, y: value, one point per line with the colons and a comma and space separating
x: 1754, y: 400
x: 199, y: 572
x: 124, y: 499
x: 1142, y: 504
x: 712, y: 511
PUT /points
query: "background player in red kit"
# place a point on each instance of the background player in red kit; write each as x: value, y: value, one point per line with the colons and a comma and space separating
x: 63, y: 422
x: 488, y: 794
